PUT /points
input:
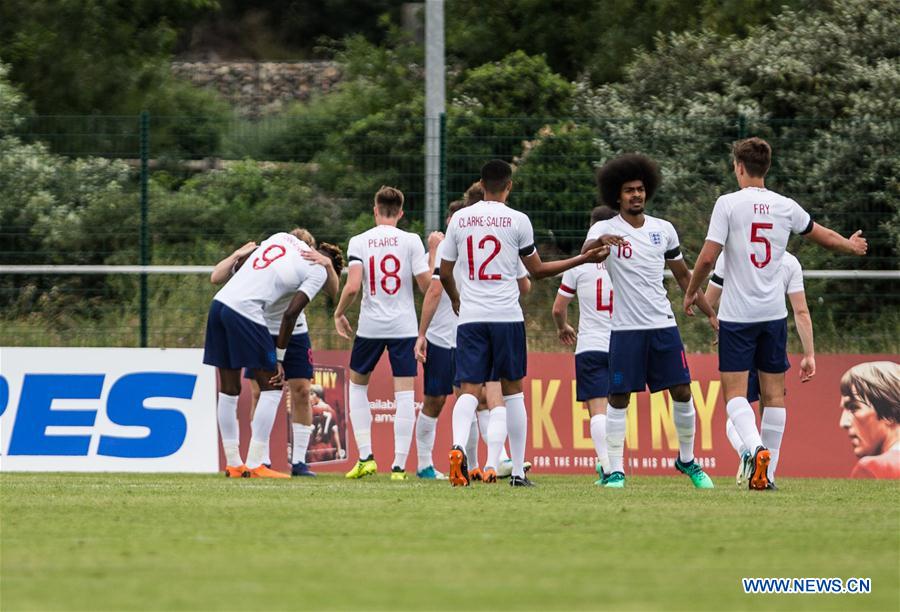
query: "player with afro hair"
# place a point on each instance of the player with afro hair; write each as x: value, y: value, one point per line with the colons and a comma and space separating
x: 630, y: 167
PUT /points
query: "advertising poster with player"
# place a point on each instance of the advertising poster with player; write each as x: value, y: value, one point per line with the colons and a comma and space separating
x: 328, y: 401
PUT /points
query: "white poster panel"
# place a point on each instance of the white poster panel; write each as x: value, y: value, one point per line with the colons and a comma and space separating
x: 107, y: 410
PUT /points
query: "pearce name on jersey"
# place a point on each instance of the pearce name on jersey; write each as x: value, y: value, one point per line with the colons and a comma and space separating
x: 636, y: 269
x: 390, y: 259
x: 264, y: 286
x: 753, y: 226
x: 487, y: 241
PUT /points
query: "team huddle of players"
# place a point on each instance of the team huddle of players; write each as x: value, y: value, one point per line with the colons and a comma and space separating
x: 471, y: 333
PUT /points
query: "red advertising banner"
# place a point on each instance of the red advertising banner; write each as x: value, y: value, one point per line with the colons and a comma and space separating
x: 559, y: 442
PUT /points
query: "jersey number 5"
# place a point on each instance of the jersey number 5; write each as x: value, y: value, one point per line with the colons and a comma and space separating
x: 470, y: 244
x: 389, y: 274
x: 755, y: 237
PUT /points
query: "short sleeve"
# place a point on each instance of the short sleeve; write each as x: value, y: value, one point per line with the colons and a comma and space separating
x: 525, y: 237
x: 521, y: 270
x: 569, y: 285
x: 673, y: 246
x: 793, y: 276
x: 314, y: 281
x: 718, y: 223
x: 355, y: 254
x: 801, y: 222
x: 449, y: 252
x: 594, y: 232
x: 718, y: 275
x: 417, y: 255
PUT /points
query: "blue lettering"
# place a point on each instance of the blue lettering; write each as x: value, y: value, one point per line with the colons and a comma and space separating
x: 35, y: 414
x: 4, y: 394
x: 125, y: 407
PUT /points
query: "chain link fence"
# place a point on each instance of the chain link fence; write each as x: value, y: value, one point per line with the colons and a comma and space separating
x: 187, y: 191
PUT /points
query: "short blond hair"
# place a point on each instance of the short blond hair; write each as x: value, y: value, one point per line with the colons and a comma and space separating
x: 389, y: 201
x: 301, y: 233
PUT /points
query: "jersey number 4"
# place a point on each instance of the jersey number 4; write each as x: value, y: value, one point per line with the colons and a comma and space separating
x: 390, y: 280
x: 482, y: 245
x: 601, y: 307
x: 755, y: 237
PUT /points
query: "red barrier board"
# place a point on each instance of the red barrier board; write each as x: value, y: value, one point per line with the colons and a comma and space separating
x: 559, y: 440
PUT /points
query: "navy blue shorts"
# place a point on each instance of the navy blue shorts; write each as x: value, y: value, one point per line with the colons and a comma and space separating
x: 491, y: 351
x: 401, y: 352
x: 744, y: 347
x: 591, y: 375
x: 233, y: 341
x: 298, y: 361
x: 440, y: 370
x: 640, y: 358
x: 753, y: 387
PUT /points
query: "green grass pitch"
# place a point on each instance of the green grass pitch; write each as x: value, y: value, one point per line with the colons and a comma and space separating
x: 128, y: 542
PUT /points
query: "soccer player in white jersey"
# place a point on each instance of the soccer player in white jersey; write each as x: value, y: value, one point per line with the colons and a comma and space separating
x: 383, y: 263
x: 645, y: 348
x: 792, y: 274
x: 276, y: 276
x: 436, y: 349
x: 593, y: 287
x: 487, y: 240
x: 752, y: 227
x: 298, y: 364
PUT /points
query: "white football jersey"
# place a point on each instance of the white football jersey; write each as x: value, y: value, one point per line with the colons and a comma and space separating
x: 791, y: 273
x: 390, y: 259
x: 753, y: 226
x: 591, y: 283
x: 270, y: 277
x: 442, y: 331
x: 487, y: 240
x: 636, y: 269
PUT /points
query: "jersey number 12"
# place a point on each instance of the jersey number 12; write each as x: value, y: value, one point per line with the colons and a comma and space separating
x: 482, y: 245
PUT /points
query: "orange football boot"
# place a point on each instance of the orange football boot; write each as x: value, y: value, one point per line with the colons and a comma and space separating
x: 241, y: 471
x: 490, y: 476
x: 264, y: 472
x: 459, y: 471
x: 759, y: 481
x: 476, y: 475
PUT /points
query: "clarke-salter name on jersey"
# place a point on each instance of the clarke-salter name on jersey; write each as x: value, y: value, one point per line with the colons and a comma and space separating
x: 486, y: 221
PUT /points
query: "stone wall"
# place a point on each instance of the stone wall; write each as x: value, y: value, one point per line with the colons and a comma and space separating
x: 261, y: 88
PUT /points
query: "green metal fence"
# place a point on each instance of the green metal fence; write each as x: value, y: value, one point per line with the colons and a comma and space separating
x: 188, y: 190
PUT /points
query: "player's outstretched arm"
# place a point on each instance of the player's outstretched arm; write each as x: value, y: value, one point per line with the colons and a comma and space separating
x: 564, y: 331
x: 429, y: 306
x: 685, y: 279
x: 332, y: 280
x: 604, y: 240
x: 542, y: 269
x: 226, y: 268
x: 831, y: 240
x: 706, y: 261
x: 449, y: 284
x: 803, y: 321
x: 713, y: 294
x: 348, y: 295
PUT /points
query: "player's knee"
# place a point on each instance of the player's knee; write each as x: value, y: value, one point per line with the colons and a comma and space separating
x: 433, y: 405
x: 619, y: 400
x: 680, y: 393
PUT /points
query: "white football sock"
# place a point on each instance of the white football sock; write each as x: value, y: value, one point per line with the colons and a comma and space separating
x: 484, y: 422
x: 741, y: 414
x: 404, y: 424
x: 771, y: 431
x: 472, y: 444
x: 517, y: 426
x: 496, y: 437
x: 261, y: 427
x: 463, y: 415
x: 685, y: 424
x: 598, y: 435
x: 503, y: 456
x: 615, y: 438
x: 301, y: 441
x: 361, y: 419
x: 736, y: 443
x: 226, y: 410
x: 426, y: 427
